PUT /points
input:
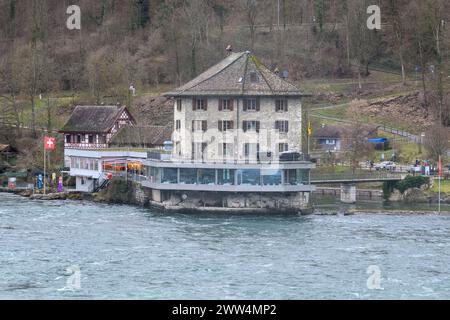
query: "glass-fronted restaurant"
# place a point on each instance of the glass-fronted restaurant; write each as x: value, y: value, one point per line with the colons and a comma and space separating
x: 228, y: 177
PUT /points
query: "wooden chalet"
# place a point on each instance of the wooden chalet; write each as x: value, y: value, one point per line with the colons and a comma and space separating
x: 93, y: 127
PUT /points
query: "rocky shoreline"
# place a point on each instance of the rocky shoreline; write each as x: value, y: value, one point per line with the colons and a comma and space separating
x: 99, y: 198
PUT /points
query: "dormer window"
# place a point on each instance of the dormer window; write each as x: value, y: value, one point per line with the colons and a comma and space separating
x: 254, y: 77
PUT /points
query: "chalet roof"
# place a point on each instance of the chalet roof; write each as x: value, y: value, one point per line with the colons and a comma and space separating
x: 233, y: 76
x: 143, y: 136
x: 93, y: 119
x: 337, y: 132
x: 327, y: 132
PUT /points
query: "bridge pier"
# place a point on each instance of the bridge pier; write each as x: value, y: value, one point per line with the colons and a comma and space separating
x: 348, y: 193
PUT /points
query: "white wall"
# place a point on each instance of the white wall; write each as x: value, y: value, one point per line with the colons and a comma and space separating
x: 88, y: 186
x: 268, y: 137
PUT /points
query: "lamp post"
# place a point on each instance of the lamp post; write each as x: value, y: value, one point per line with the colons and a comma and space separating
x: 422, y: 136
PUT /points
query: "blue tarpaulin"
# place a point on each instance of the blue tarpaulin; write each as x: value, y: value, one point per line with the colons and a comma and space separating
x: 377, y: 140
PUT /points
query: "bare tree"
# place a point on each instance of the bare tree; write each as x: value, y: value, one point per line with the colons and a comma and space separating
x: 251, y: 11
x: 437, y: 142
x: 355, y: 136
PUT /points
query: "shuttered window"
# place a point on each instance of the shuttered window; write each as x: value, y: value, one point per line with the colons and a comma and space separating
x: 226, y: 105
x: 226, y: 150
x: 199, y: 125
x: 199, y: 104
x: 226, y: 125
x: 251, y: 126
x: 251, y: 104
x: 283, y: 147
x: 282, y: 126
x: 281, y: 105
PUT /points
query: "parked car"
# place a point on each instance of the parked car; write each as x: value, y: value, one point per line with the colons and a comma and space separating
x: 415, y: 169
x: 290, y: 156
x: 385, y: 165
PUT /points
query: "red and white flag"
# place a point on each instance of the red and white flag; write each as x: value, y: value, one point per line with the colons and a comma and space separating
x: 49, y: 143
x: 440, y: 166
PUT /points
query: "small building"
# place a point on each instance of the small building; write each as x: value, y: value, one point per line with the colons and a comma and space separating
x: 93, y: 127
x: 336, y: 138
x: 87, y: 135
x: 328, y: 138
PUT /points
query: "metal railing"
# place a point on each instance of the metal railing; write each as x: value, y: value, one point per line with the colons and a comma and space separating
x: 302, y: 158
x: 357, y: 176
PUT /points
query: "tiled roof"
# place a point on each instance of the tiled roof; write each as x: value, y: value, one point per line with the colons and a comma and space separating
x: 92, y: 119
x: 235, y: 75
x: 143, y: 136
x: 327, y: 132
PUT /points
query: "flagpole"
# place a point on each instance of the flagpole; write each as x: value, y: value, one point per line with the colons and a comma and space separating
x: 440, y: 174
x: 45, y: 168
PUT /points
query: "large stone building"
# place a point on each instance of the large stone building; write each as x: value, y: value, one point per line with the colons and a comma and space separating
x: 235, y: 110
x: 237, y: 141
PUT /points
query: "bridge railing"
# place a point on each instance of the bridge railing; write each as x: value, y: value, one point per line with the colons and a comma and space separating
x: 357, y: 176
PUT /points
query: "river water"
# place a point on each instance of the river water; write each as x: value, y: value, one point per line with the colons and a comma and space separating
x: 124, y: 252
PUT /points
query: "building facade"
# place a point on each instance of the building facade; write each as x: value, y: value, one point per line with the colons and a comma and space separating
x: 87, y: 136
x: 236, y: 143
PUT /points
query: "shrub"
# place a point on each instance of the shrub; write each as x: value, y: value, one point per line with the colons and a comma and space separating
x: 409, y: 183
x: 412, y: 182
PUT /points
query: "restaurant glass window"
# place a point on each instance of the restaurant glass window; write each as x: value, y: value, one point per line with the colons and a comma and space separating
x: 271, y: 177
x: 303, y: 176
x: 188, y: 176
x: 249, y: 177
x: 207, y: 176
x: 155, y: 174
x: 226, y: 177
x: 169, y: 175
x: 290, y: 177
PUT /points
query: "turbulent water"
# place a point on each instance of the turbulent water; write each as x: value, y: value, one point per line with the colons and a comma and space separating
x: 124, y: 252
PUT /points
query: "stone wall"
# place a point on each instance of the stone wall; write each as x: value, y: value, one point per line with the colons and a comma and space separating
x: 268, y: 137
x: 296, y: 201
x: 125, y: 192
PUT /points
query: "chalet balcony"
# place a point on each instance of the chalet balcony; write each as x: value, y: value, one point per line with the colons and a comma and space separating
x: 86, y: 146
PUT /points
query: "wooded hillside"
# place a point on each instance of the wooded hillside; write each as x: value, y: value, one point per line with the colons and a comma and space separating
x: 166, y: 42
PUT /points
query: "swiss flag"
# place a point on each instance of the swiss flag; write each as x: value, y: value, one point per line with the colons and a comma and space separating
x: 49, y: 143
